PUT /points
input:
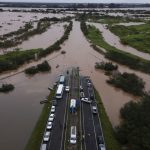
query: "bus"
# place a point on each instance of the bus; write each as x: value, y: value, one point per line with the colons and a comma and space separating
x: 59, y: 92
x: 62, y: 79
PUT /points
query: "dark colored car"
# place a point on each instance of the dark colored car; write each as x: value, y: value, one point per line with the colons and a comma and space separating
x: 54, y: 102
x: 100, y: 140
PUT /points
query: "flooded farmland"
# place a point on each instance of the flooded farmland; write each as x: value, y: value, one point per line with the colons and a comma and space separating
x: 21, y: 108
x: 114, y: 40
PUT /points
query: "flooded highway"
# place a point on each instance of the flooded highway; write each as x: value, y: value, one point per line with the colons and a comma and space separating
x: 21, y: 108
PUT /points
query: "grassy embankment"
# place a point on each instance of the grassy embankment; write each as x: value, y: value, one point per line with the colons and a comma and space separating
x: 132, y: 61
x: 113, y: 19
x: 136, y: 36
x: 38, y: 131
x: 108, y: 132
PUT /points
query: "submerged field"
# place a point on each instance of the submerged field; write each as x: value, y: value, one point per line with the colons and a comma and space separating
x: 136, y: 36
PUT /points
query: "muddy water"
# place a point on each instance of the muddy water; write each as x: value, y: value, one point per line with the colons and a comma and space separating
x: 20, y: 109
x: 114, y: 40
x: 42, y: 40
x: 18, y: 19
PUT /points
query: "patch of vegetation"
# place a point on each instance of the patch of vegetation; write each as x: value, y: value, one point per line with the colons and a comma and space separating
x: 136, y: 36
x: 31, y: 70
x: 108, y: 132
x: 37, y: 134
x: 13, y: 60
x: 128, y: 82
x: 132, y: 61
x: 107, y: 66
x: 44, y: 66
x: 134, y: 131
x: 6, y: 88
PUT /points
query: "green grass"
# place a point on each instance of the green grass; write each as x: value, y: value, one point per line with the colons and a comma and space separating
x: 132, y: 61
x: 113, y: 19
x: 37, y: 134
x: 136, y: 36
x: 108, y: 132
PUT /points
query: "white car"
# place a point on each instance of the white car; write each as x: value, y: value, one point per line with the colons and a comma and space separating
x: 102, y: 147
x: 49, y: 126
x: 86, y: 100
x: 52, y: 109
x: 94, y: 109
x: 67, y: 88
x: 51, y: 117
x: 46, y: 136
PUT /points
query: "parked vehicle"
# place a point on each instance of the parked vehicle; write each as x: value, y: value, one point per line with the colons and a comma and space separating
x: 82, y: 95
x: 100, y: 139
x: 73, y: 135
x: 43, y: 147
x: 81, y: 88
x: 59, y: 92
x: 54, y: 102
x: 49, y: 126
x: 46, y: 136
x: 51, y: 117
x: 52, y: 109
x: 62, y: 80
x: 101, y: 147
x: 67, y: 88
x: 73, y: 105
x: 86, y: 100
x: 94, y: 109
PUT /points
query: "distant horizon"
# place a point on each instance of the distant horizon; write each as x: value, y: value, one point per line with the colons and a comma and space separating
x: 81, y: 1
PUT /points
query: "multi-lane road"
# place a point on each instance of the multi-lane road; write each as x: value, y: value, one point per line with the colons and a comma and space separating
x: 88, y: 124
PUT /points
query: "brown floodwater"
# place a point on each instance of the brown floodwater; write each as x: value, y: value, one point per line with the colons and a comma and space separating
x: 41, y: 40
x: 114, y: 40
x: 18, y: 19
x: 20, y: 109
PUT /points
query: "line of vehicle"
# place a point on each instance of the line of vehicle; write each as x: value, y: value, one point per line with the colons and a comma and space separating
x: 99, y: 120
x: 83, y: 135
x: 66, y: 118
x: 93, y: 121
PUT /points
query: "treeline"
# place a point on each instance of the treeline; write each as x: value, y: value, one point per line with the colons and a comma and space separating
x: 43, y: 67
x: 13, y: 60
x: 129, y: 82
x: 84, y: 27
x: 134, y: 130
x: 6, y: 88
x: 130, y: 60
x: 112, y: 53
x: 56, y: 45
